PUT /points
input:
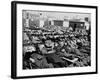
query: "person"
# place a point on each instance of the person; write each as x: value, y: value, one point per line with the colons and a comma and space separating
x: 51, y: 55
x: 74, y: 48
x: 28, y: 51
x: 33, y: 59
x: 40, y: 61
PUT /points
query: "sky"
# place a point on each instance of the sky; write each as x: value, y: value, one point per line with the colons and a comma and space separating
x: 59, y: 15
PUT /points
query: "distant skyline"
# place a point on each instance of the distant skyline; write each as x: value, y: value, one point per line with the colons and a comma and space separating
x: 59, y: 15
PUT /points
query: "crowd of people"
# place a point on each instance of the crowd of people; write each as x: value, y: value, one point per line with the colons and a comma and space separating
x: 54, y: 48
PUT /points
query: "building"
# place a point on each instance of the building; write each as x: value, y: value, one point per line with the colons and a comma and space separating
x: 41, y: 20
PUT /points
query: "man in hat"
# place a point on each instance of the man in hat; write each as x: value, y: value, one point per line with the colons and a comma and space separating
x: 50, y: 54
